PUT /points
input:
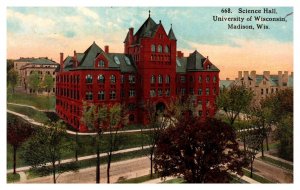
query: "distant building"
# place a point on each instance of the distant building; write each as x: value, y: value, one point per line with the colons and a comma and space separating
x: 265, y: 84
x: 226, y: 83
x: 42, y: 65
x: 150, y: 68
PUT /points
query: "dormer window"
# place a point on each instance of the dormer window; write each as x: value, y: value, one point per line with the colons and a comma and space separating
x: 101, y: 63
x: 159, y: 48
x: 152, y: 48
x: 208, y: 66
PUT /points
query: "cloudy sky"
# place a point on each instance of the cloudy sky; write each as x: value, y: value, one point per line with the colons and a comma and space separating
x: 37, y: 32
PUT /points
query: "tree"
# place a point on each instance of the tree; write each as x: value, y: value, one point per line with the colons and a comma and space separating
x: 254, y: 138
x: 48, y: 83
x: 34, y: 81
x: 17, y: 133
x: 284, y: 133
x: 12, y: 79
x: 45, y: 147
x: 156, y: 124
x: 233, y: 101
x: 200, y: 151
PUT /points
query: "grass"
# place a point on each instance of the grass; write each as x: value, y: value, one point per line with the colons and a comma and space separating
x: 12, y: 178
x: 271, y: 146
x: 256, y: 177
x: 33, y: 173
x: 277, y: 163
x: 39, y: 101
x: 30, y: 112
x: 139, y: 179
x: 176, y: 180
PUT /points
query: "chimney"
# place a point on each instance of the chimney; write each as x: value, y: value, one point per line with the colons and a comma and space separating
x: 106, y: 49
x: 130, y: 36
x: 61, y: 61
x: 267, y: 74
x: 179, y: 54
x: 246, y: 76
x: 280, y: 78
x: 240, y: 75
x: 75, y: 59
x: 253, y: 75
x: 285, y: 77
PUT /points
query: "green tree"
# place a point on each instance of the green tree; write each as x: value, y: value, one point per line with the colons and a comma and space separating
x: 284, y: 134
x: 233, y: 101
x: 48, y: 83
x: 34, y: 81
x: 200, y: 151
x: 17, y: 133
x: 44, y: 149
x: 12, y: 79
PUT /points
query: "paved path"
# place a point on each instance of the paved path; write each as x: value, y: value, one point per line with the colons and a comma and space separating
x: 25, y: 168
x: 119, y: 170
x: 24, y: 105
x: 32, y: 121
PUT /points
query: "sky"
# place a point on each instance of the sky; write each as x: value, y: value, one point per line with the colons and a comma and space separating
x: 47, y: 31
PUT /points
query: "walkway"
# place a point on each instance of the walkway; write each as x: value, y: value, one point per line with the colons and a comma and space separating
x: 24, y: 105
x: 32, y: 121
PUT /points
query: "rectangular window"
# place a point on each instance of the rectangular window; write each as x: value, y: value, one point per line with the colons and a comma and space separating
x: 101, y: 95
x: 131, y: 93
x: 167, y: 92
x: 207, y: 91
x: 159, y: 92
x: 131, y: 79
x: 267, y: 91
x: 262, y: 91
x: 192, y: 91
x: 182, y: 79
x: 182, y: 91
x: 200, y: 91
x: 152, y: 93
x: 112, y: 95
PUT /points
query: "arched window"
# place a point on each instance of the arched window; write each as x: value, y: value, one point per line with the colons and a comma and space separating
x: 101, y: 79
x: 166, y: 49
x: 159, y: 48
x: 101, y: 63
x: 152, y: 79
x: 112, y: 95
x: 88, y: 78
x: 160, y: 79
x: 167, y: 79
x: 112, y: 79
x: 152, y: 48
x: 101, y: 95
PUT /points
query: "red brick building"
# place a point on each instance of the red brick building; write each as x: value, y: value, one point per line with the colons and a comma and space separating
x: 150, y: 68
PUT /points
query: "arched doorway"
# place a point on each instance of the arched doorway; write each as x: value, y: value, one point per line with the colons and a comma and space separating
x: 160, y: 107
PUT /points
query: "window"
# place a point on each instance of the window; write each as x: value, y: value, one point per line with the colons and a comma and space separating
x: 131, y: 117
x: 215, y: 80
x: 88, y: 78
x: 159, y: 92
x: 122, y: 79
x: 131, y: 79
x: 272, y: 90
x: 262, y: 91
x: 152, y: 48
x: 167, y: 92
x: 131, y: 107
x: 182, y: 79
x: 191, y: 79
x: 89, y: 96
x: 112, y: 95
x: 112, y: 79
x: 152, y: 93
x: 166, y: 49
x: 116, y: 59
x: 207, y: 79
x: 192, y: 91
x: 160, y: 79
x: 207, y: 91
x: 101, y: 79
x: 152, y: 79
x: 200, y: 91
x: 101, y: 95
x: 182, y: 91
x: 159, y: 48
x: 200, y: 79
x: 167, y: 79
x: 267, y: 91
x: 127, y: 60
x: 215, y: 91
x: 101, y: 63
x: 131, y: 93
x: 178, y: 63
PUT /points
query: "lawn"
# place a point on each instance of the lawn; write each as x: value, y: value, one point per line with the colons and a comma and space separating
x: 176, y: 180
x: 12, y: 178
x: 277, y: 163
x: 39, y: 101
x: 30, y: 112
x: 256, y: 177
x: 138, y: 179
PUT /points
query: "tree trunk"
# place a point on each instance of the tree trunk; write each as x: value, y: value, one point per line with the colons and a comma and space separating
x: 108, y: 167
x: 244, y: 139
x: 54, y: 171
x: 76, y: 146
x: 15, y: 158
x: 262, y: 149
x: 98, y: 163
x: 251, y: 168
x: 151, y: 165
x: 267, y: 142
